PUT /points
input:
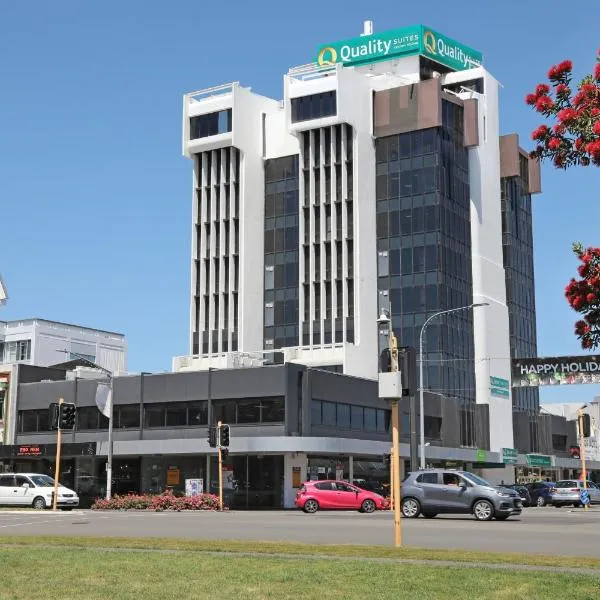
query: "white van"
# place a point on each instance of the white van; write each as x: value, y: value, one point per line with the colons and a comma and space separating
x: 34, y: 489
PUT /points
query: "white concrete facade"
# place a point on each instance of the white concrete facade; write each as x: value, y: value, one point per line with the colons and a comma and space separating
x: 40, y: 342
x: 265, y: 129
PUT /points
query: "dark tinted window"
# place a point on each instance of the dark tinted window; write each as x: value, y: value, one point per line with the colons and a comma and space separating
x: 210, y: 124
x: 427, y: 478
x: 7, y: 481
x: 315, y: 106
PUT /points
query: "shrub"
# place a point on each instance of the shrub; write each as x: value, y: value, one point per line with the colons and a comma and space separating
x: 158, y: 502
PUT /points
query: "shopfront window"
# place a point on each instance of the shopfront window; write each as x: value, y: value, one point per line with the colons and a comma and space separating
x: 128, y: 416
x: 176, y: 414
x: 249, y: 410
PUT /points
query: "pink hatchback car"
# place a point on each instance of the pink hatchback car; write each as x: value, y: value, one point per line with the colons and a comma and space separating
x: 337, y: 495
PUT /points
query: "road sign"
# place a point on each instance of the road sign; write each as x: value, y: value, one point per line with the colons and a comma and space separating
x: 509, y: 456
x: 585, y: 497
x: 539, y: 460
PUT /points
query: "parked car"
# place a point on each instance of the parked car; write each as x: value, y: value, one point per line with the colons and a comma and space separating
x: 437, y: 491
x: 336, y: 495
x: 34, y: 489
x: 522, y: 491
x: 541, y: 492
x: 568, y: 492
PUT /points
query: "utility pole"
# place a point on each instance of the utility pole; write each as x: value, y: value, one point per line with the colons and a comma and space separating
x: 390, y: 388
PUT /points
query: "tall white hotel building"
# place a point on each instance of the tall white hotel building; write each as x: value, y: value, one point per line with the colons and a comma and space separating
x: 380, y: 180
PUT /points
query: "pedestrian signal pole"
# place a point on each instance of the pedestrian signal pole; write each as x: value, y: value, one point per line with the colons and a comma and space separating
x: 58, y: 445
x: 220, y: 465
x: 581, y: 418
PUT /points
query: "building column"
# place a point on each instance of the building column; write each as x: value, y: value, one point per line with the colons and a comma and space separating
x: 351, y: 468
x: 295, y: 466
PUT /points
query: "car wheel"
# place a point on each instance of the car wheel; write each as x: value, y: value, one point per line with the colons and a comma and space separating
x: 483, y: 510
x: 411, y: 508
x: 576, y: 504
x: 430, y: 515
x: 541, y: 501
x: 311, y: 506
x: 368, y: 506
x: 39, y: 503
x: 502, y: 517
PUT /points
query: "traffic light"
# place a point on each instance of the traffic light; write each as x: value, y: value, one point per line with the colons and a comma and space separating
x: 585, y: 425
x: 212, y: 436
x: 224, y: 453
x: 386, y: 459
x: 67, y: 416
x: 224, y: 437
x: 53, y: 416
x: 408, y: 367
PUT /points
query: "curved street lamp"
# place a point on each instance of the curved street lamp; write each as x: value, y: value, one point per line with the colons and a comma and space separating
x: 421, y: 391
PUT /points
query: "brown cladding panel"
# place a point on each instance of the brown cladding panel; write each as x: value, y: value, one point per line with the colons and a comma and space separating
x: 509, y: 155
x: 535, y: 176
x: 407, y: 108
x: 430, y: 104
x: 471, y: 122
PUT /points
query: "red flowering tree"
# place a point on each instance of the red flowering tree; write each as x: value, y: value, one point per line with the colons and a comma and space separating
x: 573, y: 136
x: 584, y: 296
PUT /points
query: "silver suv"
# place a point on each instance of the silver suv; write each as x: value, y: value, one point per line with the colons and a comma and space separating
x: 437, y: 491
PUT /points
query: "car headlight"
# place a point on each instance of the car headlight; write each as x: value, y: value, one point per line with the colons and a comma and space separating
x: 503, y: 494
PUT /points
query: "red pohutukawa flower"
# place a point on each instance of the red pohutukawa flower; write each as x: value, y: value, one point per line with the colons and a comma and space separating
x: 540, y: 133
x: 554, y: 143
x: 574, y: 136
x: 583, y: 295
x: 544, y: 103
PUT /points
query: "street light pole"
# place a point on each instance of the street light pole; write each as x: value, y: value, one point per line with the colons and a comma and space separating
x: 109, y: 458
x: 421, y: 390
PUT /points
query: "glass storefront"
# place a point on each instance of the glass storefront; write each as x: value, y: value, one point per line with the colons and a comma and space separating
x: 250, y: 481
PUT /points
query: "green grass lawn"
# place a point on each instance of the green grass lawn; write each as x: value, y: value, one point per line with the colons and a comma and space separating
x: 339, y: 550
x: 33, y: 572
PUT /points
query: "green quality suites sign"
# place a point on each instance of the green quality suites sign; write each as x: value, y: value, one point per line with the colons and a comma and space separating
x: 397, y: 43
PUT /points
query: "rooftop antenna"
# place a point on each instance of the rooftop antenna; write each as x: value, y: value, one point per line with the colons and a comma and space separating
x: 367, y: 28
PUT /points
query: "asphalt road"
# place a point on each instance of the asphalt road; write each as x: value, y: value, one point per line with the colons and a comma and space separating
x: 538, y: 530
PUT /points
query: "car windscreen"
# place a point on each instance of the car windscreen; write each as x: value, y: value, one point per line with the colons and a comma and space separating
x: 476, y: 479
x: 566, y: 484
x: 42, y: 480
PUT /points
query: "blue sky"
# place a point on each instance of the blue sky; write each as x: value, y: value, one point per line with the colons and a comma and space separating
x: 95, y: 197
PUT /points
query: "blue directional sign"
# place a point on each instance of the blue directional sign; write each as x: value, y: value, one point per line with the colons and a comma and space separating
x: 585, y: 497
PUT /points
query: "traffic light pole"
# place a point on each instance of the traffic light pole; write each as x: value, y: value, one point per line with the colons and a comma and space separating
x: 582, y: 452
x: 220, y: 465
x: 57, y: 466
x: 395, y: 444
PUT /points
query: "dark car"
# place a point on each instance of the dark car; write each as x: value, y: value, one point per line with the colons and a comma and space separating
x: 523, y: 493
x: 541, y: 492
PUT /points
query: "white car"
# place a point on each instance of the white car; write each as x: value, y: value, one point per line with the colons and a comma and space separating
x: 34, y: 489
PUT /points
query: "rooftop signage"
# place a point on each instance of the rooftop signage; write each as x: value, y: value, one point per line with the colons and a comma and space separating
x: 397, y: 43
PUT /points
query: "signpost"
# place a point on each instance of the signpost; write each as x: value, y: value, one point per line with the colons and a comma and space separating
x: 509, y: 456
x: 500, y: 387
x: 538, y: 460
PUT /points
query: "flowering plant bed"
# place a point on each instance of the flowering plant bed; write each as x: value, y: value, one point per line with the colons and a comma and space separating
x: 158, y: 502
